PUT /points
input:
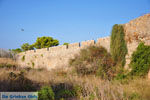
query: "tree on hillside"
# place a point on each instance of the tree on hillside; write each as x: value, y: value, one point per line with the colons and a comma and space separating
x: 27, y: 46
x: 18, y: 50
x: 118, y: 46
x: 45, y: 42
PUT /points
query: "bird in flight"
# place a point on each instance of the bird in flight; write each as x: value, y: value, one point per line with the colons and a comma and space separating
x: 22, y: 29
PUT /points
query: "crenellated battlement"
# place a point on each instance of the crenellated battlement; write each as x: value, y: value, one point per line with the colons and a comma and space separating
x: 100, y: 41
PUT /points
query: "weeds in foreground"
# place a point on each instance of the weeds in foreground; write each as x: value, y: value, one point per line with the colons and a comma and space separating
x: 67, y: 84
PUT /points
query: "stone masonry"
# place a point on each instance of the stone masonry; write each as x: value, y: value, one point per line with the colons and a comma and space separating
x: 55, y: 57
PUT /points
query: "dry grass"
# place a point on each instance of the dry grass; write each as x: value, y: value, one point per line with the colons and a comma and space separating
x: 88, y: 87
x: 93, y: 88
x: 7, y: 61
x: 139, y: 86
x: 4, y: 71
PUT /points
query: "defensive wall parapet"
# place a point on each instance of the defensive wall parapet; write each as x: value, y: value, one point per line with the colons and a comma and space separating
x: 73, y: 46
x: 100, y: 42
x: 105, y: 42
x: 87, y: 43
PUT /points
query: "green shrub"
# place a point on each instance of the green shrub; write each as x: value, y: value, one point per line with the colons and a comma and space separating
x: 91, y: 96
x: 66, y: 43
x: 120, y: 76
x: 27, y: 46
x: 23, y: 58
x: 118, y: 46
x: 18, y: 50
x: 78, y: 90
x: 101, y: 72
x: 32, y: 64
x: 140, y: 61
x: 132, y: 96
x: 9, y: 66
x: 93, y: 60
x: 65, y: 93
x: 63, y: 90
x: 46, y: 93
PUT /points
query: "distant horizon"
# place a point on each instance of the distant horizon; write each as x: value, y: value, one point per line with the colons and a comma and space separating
x: 68, y: 21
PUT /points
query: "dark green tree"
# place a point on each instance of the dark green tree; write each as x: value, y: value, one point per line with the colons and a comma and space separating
x: 31, y: 47
x: 118, y: 46
x: 27, y: 46
x: 45, y: 42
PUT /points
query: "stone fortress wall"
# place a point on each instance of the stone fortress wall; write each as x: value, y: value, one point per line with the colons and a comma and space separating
x: 136, y: 30
x: 55, y: 57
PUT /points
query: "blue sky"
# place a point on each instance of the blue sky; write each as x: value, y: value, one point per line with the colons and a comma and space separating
x: 66, y: 20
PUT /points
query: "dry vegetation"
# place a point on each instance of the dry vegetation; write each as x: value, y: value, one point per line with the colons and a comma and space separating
x: 7, y: 61
x: 87, y: 87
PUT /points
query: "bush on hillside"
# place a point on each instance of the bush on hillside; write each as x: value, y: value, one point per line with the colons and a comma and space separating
x: 23, y: 58
x: 46, y: 93
x: 93, y: 60
x: 8, y: 66
x: 63, y: 90
x: 140, y: 61
x: 57, y: 92
x: 118, y: 46
x: 15, y: 51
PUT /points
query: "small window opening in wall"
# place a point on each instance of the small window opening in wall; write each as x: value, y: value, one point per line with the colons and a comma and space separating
x: 47, y: 49
x: 79, y: 44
